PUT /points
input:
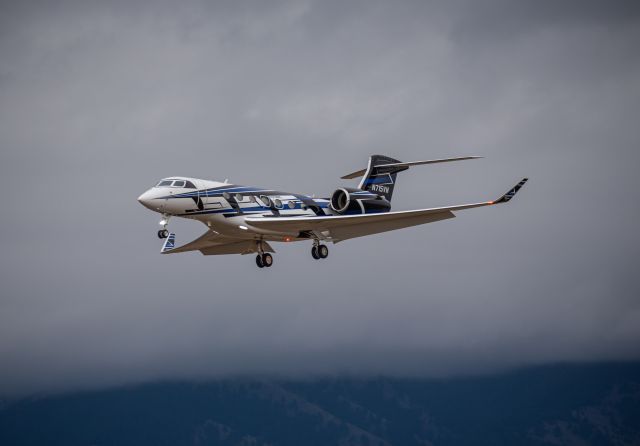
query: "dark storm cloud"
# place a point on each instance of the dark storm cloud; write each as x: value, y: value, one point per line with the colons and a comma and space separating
x: 99, y: 101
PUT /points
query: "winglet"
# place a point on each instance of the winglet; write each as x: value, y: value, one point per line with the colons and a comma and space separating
x: 169, y: 243
x: 509, y: 195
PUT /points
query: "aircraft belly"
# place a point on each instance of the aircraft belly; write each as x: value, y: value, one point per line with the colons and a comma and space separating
x: 232, y: 227
x: 269, y: 232
x: 241, y: 247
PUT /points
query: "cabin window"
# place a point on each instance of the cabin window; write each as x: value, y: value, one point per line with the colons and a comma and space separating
x: 176, y: 183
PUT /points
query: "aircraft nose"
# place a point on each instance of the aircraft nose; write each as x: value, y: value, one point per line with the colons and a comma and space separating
x: 145, y: 199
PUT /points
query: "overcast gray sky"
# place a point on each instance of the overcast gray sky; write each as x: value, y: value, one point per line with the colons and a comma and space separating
x: 98, y: 101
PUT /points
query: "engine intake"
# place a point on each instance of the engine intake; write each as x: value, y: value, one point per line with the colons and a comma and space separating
x: 356, y: 201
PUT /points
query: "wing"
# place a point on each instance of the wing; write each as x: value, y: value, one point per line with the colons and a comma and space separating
x: 212, y: 243
x: 343, y: 227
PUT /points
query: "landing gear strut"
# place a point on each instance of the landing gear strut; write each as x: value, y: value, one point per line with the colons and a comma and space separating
x: 319, y: 251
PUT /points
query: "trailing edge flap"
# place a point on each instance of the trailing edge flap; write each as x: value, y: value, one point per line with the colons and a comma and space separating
x: 361, y: 172
x: 211, y: 243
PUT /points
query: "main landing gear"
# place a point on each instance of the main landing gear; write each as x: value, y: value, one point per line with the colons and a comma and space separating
x: 319, y: 251
x: 163, y: 233
x: 264, y: 260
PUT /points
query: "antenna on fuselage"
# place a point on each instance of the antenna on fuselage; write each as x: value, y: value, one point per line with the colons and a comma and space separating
x: 226, y: 181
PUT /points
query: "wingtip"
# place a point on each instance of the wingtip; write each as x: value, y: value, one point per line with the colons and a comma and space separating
x: 511, y: 193
x: 169, y: 244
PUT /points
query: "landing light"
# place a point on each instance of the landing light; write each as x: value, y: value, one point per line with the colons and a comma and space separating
x: 244, y: 228
x: 163, y: 222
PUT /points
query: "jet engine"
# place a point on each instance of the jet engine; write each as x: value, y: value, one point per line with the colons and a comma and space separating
x: 346, y: 200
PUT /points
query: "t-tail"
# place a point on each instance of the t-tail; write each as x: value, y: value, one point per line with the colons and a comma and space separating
x: 380, y: 175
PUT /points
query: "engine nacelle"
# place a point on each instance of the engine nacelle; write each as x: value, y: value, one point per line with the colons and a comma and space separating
x: 356, y: 201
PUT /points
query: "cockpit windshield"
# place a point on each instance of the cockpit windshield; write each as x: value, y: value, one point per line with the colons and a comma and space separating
x: 176, y: 183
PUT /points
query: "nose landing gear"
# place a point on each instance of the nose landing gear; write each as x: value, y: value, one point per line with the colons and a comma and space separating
x: 163, y: 233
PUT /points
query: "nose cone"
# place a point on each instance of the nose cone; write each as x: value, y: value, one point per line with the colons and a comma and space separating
x: 146, y: 200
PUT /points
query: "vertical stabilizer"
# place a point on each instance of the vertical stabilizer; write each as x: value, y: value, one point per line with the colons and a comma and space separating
x: 381, y: 179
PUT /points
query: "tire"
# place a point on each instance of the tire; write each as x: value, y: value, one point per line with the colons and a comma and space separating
x: 165, y: 233
x: 259, y: 261
x: 314, y: 253
x: 323, y: 251
x: 267, y: 260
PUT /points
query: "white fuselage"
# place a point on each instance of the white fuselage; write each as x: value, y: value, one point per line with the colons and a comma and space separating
x: 223, y: 207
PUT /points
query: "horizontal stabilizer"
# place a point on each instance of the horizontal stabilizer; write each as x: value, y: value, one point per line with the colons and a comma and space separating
x: 361, y: 172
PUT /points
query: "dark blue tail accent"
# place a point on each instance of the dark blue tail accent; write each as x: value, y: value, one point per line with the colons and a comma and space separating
x: 379, y: 179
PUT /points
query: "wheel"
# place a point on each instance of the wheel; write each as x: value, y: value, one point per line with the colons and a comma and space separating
x: 267, y: 259
x: 314, y: 252
x: 163, y: 233
x: 259, y: 261
x: 323, y: 251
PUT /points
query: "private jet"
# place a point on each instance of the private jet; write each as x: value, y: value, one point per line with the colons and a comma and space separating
x: 247, y: 219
